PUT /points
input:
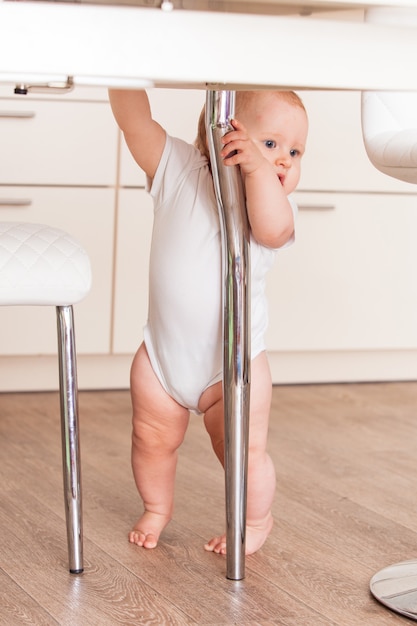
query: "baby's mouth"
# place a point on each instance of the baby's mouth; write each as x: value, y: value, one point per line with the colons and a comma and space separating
x: 281, y: 179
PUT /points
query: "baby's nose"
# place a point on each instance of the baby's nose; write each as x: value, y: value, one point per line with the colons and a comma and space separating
x: 283, y: 159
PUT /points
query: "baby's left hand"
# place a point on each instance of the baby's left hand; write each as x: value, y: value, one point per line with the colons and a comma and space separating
x: 240, y: 149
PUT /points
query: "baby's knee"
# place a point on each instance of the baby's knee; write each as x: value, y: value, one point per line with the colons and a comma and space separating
x: 157, y: 438
x: 257, y: 453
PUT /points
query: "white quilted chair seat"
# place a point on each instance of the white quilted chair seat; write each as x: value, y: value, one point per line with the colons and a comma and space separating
x: 389, y: 119
x: 40, y: 265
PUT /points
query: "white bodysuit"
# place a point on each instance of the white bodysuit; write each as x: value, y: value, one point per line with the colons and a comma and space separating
x: 183, y: 335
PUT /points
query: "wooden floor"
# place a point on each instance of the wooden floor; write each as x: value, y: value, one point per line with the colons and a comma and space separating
x: 346, y: 461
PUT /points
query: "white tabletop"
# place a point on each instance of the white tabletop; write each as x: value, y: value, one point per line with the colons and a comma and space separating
x: 107, y: 44
x: 259, y: 6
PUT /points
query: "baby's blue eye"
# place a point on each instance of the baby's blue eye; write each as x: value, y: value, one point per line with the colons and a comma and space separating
x: 270, y: 143
x: 294, y: 152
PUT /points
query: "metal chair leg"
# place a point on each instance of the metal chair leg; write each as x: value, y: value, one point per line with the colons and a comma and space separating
x: 236, y: 327
x: 70, y: 436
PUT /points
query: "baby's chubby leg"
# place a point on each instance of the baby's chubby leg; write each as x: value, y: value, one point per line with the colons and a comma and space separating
x: 159, y: 424
x: 261, y: 472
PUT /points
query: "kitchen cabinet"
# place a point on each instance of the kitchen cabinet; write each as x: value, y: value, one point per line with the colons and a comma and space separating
x: 58, y: 165
x: 342, y: 299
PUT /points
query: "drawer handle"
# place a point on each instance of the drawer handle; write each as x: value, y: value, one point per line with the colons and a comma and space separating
x: 17, y: 114
x: 316, y: 207
x: 15, y: 202
x: 59, y: 85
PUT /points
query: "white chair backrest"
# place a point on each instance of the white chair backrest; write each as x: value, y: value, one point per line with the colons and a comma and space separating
x: 389, y: 119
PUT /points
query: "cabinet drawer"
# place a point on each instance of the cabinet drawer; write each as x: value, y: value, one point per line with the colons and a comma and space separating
x: 335, y: 158
x: 177, y: 110
x: 134, y: 230
x: 348, y: 282
x: 57, y: 142
x: 88, y: 214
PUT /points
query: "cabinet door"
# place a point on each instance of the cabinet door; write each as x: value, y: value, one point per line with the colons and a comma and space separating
x: 177, y: 110
x: 134, y: 229
x: 335, y: 158
x: 57, y: 142
x: 348, y: 282
x: 88, y: 215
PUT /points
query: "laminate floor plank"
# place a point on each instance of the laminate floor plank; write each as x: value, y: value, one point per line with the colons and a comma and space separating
x: 344, y: 508
x: 18, y: 607
x: 107, y: 593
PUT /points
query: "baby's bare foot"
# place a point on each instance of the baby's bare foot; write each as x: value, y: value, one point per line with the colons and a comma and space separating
x: 147, y: 529
x: 255, y: 538
x: 217, y: 545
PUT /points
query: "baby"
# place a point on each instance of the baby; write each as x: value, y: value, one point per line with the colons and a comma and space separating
x: 178, y: 367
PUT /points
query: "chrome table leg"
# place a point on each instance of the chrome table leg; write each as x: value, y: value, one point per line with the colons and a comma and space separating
x: 236, y: 327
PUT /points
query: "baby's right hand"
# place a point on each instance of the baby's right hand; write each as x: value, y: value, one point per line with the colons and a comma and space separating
x: 239, y: 149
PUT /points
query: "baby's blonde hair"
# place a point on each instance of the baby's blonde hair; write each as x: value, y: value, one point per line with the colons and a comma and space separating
x: 243, y: 100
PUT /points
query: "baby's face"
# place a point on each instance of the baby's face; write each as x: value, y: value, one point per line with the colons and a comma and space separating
x: 279, y: 129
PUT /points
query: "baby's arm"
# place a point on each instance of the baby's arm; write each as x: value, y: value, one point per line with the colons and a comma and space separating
x: 144, y: 137
x: 269, y: 211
